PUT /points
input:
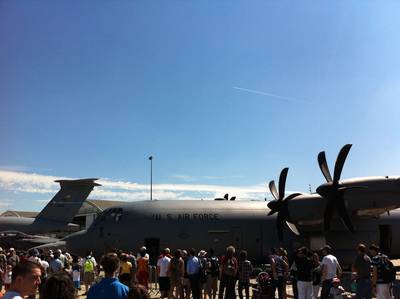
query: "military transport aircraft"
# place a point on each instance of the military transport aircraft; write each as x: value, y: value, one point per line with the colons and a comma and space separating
x: 56, y: 215
x: 249, y: 224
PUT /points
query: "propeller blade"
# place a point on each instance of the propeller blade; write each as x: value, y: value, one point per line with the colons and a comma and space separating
x: 226, y: 196
x: 341, y: 158
x: 323, y: 165
x: 279, y: 227
x: 293, y: 228
x: 291, y: 196
x: 329, y: 209
x: 282, y: 183
x: 342, y: 211
x: 233, y: 197
x: 272, y: 189
x: 271, y: 212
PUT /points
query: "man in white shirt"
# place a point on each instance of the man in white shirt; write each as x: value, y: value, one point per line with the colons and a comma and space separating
x: 25, y: 280
x: 330, y: 269
x: 162, y: 271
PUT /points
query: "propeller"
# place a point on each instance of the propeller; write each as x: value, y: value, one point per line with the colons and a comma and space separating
x: 280, y: 205
x: 333, y: 190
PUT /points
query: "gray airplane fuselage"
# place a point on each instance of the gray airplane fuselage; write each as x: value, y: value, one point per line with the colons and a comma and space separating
x: 215, y: 224
x: 179, y: 224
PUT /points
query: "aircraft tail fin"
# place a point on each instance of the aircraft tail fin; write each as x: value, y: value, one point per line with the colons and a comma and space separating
x: 65, y: 204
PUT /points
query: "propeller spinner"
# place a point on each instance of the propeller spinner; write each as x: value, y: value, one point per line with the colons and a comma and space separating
x: 333, y: 190
x: 280, y: 205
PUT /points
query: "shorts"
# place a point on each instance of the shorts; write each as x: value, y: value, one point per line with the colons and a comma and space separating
x: 88, y: 277
x: 77, y: 284
x: 164, y: 284
x: 211, y: 283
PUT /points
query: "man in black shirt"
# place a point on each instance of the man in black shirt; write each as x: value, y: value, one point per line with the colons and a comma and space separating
x: 304, y: 274
x: 362, y: 273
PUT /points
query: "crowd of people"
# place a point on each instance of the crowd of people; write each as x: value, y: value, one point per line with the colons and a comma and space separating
x: 183, y: 274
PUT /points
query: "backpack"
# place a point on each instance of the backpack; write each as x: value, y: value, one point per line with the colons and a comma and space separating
x: 213, y: 266
x: 388, y: 271
x: 88, y: 265
x: 229, y: 267
x: 203, y: 273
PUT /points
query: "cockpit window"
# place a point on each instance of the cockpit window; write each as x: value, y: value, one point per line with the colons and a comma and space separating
x: 113, y: 214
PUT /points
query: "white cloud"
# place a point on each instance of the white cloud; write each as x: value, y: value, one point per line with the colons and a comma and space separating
x: 128, y: 191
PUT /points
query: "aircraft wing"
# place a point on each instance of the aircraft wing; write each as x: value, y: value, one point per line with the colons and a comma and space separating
x: 23, y: 241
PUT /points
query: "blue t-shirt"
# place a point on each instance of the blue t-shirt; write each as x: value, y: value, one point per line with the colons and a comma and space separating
x: 108, y: 288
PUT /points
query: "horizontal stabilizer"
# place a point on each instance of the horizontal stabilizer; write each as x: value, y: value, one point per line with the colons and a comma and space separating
x: 80, y: 182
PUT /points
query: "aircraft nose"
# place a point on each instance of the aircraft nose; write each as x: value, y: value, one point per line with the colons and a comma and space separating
x: 75, y: 242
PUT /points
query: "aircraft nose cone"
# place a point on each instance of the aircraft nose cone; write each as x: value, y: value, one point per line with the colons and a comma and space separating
x: 273, y: 205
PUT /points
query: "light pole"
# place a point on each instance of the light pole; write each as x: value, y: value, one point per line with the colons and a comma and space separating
x: 151, y: 177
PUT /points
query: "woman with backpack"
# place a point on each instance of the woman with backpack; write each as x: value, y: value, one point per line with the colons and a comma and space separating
x: 212, y: 270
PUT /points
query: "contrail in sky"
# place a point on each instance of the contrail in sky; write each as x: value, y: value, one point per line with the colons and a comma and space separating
x: 271, y: 95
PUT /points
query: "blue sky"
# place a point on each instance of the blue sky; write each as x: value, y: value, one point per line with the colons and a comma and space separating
x: 223, y: 94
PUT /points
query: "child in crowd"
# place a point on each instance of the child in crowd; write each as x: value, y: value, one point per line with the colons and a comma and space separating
x: 76, y: 275
x: 337, y: 290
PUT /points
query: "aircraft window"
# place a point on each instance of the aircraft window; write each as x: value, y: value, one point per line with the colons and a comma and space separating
x: 113, y: 213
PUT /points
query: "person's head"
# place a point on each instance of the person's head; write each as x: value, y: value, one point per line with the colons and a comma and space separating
x: 315, y: 258
x: 230, y: 251
x: 211, y: 252
x: 25, y: 278
x: 302, y: 252
x: 59, y: 285
x: 202, y: 253
x: 56, y: 255
x: 33, y: 252
x: 138, y: 292
x: 326, y: 250
x: 361, y: 249
x: 124, y: 258
x: 335, y: 282
x: 243, y: 255
x: 374, y: 249
x: 192, y: 252
x: 177, y: 253
x: 89, y: 253
x: 282, y: 252
x: 184, y: 253
x: 166, y: 251
x: 110, y: 263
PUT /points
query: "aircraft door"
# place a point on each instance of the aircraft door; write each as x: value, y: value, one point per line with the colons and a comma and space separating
x: 237, y: 238
x: 153, y: 249
x: 385, y: 238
